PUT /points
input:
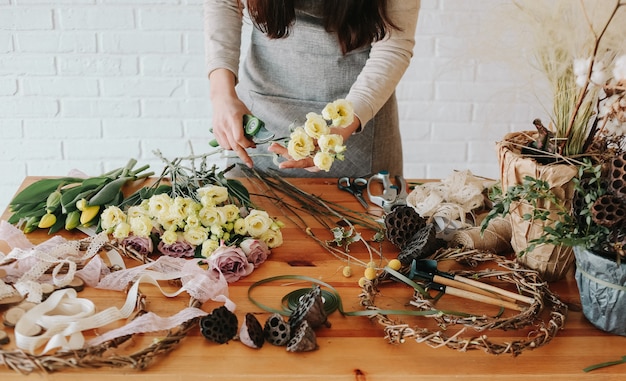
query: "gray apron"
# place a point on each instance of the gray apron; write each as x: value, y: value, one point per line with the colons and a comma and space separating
x: 284, y: 79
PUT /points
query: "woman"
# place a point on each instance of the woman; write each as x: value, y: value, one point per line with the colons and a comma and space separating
x: 303, y: 55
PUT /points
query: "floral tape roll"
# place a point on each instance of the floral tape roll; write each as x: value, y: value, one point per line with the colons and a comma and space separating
x: 496, y: 238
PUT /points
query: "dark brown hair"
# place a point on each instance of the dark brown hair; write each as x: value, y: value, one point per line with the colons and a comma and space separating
x: 357, y: 23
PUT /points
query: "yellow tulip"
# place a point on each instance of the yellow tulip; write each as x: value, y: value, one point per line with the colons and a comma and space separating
x: 72, y: 220
x: 47, y: 221
x: 89, y: 213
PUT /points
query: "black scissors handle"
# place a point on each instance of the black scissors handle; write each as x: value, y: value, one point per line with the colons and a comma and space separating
x: 356, y: 187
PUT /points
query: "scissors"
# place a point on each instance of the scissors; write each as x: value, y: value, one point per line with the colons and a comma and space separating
x: 355, y: 186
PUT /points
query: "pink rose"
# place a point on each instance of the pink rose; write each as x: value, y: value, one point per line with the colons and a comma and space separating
x: 256, y: 251
x: 140, y: 245
x: 231, y: 262
x: 179, y: 249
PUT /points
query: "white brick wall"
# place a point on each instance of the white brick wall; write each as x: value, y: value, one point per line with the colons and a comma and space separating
x: 88, y: 84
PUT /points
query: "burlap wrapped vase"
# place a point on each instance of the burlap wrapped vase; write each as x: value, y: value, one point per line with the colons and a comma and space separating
x: 552, y: 262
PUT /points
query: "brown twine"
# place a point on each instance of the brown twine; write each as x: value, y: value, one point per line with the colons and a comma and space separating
x: 102, y: 355
x: 496, y: 238
x: 528, y: 283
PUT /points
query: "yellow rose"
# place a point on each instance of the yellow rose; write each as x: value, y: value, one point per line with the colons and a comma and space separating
x: 300, y: 144
x: 257, y: 222
x: 195, y: 236
x: 185, y: 206
x: 141, y: 225
x: 192, y: 221
x: 212, y: 195
x: 137, y: 210
x: 323, y: 160
x: 111, y: 216
x: 272, y: 238
x: 331, y: 143
x: 230, y: 212
x: 122, y: 230
x: 216, y: 231
x: 208, y: 247
x: 315, y: 126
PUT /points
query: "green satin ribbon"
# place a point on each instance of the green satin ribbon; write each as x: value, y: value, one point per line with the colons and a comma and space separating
x: 333, y: 301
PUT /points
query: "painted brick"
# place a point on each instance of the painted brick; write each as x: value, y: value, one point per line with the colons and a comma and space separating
x: 141, y: 42
x: 101, y: 108
x: 161, y: 18
x: 28, y: 107
x: 26, y: 64
x: 96, y: 18
x: 8, y: 86
x: 39, y: 149
x: 63, y: 129
x: 56, y: 42
x: 90, y: 149
x: 142, y: 128
x: 25, y: 18
x: 6, y: 42
x: 60, y: 86
x: 143, y: 88
x: 175, y: 66
x: 98, y: 65
x: 167, y: 108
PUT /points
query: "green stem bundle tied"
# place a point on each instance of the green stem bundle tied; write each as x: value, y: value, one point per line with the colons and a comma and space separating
x: 68, y: 202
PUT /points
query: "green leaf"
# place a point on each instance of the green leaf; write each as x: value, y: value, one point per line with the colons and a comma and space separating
x: 40, y: 189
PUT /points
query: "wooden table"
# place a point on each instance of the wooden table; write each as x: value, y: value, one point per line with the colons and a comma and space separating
x: 353, y: 348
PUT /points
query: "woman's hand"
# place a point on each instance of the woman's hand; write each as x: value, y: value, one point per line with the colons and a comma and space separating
x: 228, y: 112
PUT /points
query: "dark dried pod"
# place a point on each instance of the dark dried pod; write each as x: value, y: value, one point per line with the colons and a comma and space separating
x: 608, y: 210
x: 220, y: 325
x: 401, y: 224
x: 617, y: 176
x: 251, y: 332
x: 276, y: 330
x: 310, y: 308
x: 421, y: 245
x: 303, y: 340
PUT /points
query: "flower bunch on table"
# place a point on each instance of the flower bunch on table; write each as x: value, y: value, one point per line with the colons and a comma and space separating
x: 232, y: 239
x: 315, y: 138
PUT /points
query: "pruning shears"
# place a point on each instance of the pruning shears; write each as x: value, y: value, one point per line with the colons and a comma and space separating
x: 392, y: 195
x: 253, y: 129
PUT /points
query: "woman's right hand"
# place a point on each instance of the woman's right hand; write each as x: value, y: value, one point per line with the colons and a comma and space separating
x: 228, y: 112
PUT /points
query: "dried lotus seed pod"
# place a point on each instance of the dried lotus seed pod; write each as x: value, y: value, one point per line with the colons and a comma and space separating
x: 421, y: 245
x: 219, y: 326
x: 251, y: 332
x: 401, y: 224
x: 608, y: 211
x: 303, y: 340
x: 310, y: 308
x: 276, y: 330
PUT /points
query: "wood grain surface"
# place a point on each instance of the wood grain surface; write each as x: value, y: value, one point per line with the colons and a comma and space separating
x: 353, y: 348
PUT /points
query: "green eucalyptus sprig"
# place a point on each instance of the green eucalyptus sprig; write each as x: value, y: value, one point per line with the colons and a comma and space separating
x: 563, y: 228
x: 67, y: 202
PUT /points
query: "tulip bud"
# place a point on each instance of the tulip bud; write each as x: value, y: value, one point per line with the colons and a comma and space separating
x: 88, y: 213
x: 53, y: 201
x: 72, y: 220
x: 81, y: 204
x: 31, y: 224
x: 47, y: 221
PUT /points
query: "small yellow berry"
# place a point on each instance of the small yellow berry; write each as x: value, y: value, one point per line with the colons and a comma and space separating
x: 371, y: 265
x: 394, y: 264
x: 370, y: 273
x: 362, y: 281
x: 347, y: 271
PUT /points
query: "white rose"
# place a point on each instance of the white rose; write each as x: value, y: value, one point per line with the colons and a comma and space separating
x: 230, y: 212
x: 111, y: 217
x: 141, y: 226
x: 122, y: 230
x: 210, y: 215
x: 315, y: 125
x: 300, y: 144
x: 196, y: 235
x: 323, y: 160
x: 211, y: 195
x: 257, y: 222
x: 331, y: 142
x: 272, y: 238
